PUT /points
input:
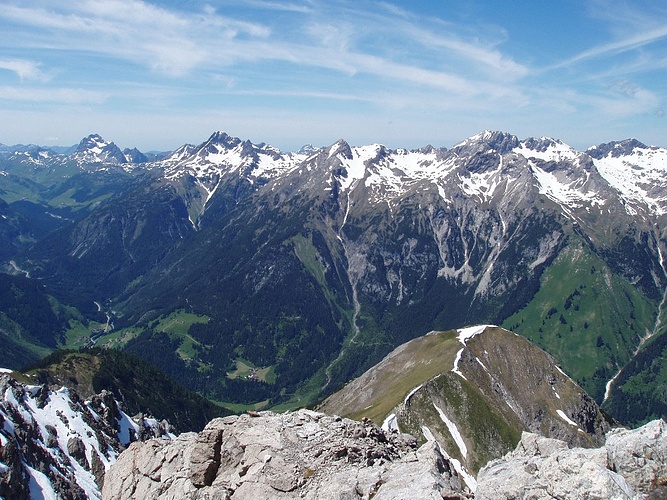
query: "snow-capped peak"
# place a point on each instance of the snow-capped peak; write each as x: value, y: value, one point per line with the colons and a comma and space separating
x: 307, y: 149
x: 500, y: 142
x: 546, y: 149
x: 340, y: 148
x: 94, y: 149
x: 617, y: 148
x: 636, y: 171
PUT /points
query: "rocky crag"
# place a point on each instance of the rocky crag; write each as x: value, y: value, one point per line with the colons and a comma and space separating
x: 311, y: 455
x: 293, y: 455
x: 631, y: 465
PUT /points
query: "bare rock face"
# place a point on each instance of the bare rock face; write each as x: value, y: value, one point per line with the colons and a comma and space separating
x: 631, y: 465
x: 640, y: 456
x: 293, y: 455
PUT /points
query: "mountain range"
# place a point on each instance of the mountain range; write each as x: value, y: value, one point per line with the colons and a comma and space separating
x: 263, y: 278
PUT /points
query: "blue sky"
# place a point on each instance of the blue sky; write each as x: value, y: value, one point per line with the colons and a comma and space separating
x: 158, y: 74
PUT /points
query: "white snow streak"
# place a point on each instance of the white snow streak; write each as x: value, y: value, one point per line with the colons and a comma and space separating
x: 465, y: 334
x: 412, y: 393
x: 390, y: 423
x: 562, y: 415
x: 458, y: 467
x: 454, y: 431
x: 456, y: 363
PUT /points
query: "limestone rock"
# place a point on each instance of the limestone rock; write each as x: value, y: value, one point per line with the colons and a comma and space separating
x: 310, y: 455
x: 77, y: 450
x: 631, y: 465
x: 303, y: 454
x: 205, y: 458
x: 640, y: 455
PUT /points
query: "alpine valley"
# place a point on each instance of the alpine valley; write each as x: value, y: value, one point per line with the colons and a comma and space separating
x: 264, y: 279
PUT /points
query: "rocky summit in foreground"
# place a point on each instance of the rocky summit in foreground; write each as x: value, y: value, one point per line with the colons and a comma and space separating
x: 293, y: 455
x: 311, y: 455
x: 631, y: 465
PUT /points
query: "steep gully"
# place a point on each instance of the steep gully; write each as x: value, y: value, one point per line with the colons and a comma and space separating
x: 353, y: 280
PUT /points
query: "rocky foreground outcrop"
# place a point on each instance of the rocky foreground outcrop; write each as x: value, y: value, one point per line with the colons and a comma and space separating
x: 293, y: 455
x: 314, y: 456
x: 631, y: 465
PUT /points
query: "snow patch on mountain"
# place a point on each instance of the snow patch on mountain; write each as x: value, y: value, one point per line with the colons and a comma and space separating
x: 547, y: 150
x: 482, y: 185
x: 639, y: 177
x: 453, y: 430
x: 567, y: 419
x: 569, y: 194
x: 390, y: 423
x: 64, y: 441
x: 465, y: 334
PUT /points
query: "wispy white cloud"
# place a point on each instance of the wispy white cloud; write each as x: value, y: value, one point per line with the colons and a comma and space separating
x: 24, y: 69
x: 169, y: 42
x: 283, y: 6
x: 358, y: 57
x: 309, y: 94
x: 619, y: 99
x: 619, y: 46
x: 178, y: 43
x: 623, y: 17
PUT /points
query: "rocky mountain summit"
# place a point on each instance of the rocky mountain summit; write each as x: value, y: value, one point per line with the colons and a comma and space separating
x: 303, y: 454
x: 306, y: 454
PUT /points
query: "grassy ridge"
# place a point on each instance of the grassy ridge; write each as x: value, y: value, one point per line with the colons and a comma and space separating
x: 414, y: 364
